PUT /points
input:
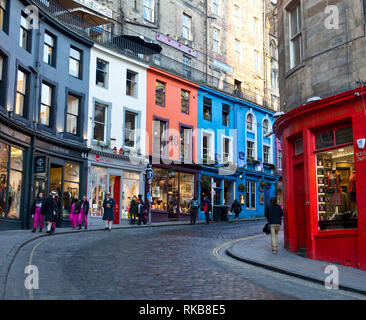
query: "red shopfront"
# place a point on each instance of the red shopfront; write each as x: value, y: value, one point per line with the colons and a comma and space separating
x: 324, y: 178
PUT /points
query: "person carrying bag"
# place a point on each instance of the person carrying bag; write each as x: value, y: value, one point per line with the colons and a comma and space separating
x: 274, y: 214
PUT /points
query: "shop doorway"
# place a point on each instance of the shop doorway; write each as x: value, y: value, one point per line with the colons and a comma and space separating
x: 115, y: 190
x: 300, y: 205
x: 56, y: 174
x: 228, y: 192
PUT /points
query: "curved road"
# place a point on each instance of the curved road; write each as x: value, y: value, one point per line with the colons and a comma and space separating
x: 174, y: 262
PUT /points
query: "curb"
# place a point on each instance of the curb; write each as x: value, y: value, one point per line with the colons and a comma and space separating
x: 286, y: 272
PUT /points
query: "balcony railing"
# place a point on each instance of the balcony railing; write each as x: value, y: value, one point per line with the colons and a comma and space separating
x: 99, y: 34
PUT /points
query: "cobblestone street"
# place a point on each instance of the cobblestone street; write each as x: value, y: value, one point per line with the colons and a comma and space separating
x: 173, y: 262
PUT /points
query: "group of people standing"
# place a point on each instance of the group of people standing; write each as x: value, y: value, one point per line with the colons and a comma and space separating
x: 49, y: 209
x: 137, y: 210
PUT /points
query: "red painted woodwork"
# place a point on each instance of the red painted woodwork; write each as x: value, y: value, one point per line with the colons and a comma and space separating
x: 116, y: 197
x: 347, y: 247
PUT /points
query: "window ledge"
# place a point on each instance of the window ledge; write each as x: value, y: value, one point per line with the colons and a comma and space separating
x: 294, y: 69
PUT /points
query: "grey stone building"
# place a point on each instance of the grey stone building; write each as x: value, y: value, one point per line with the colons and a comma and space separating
x: 321, y: 48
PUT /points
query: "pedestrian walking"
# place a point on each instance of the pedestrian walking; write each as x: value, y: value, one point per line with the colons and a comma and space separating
x: 141, y: 210
x: 49, y: 210
x: 36, y: 212
x: 207, y: 208
x: 133, y: 210
x: 83, y: 214
x: 274, y: 214
x: 108, y: 211
x: 236, y: 208
x: 193, y: 209
x: 74, y: 211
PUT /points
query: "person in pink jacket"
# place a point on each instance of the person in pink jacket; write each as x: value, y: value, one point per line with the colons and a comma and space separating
x: 74, y: 211
x: 36, y: 212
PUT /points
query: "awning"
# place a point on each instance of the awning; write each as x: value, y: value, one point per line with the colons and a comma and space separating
x: 128, y: 41
x: 91, y: 11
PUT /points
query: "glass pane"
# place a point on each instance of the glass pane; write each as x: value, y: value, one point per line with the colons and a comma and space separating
x: 344, y: 135
x: 75, y: 54
x: 19, y: 104
x: 131, y: 187
x: 72, y: 124
x: 99, y: 114
x: 159, y: 93
x: 73, y: 105
x: 4, y: 154
x: 101, y: 65
x: 98, y: 188
x: 14, y: 197
x: 45, y: 115
x: 21, y: 81
x: 1, y: 67
x: 98, y: 132
x: 74, y: 68
x: 70, y: 190
x: 3, y: 184
x: 336, y: 187
x: 16, y: 159
x: 324, y: 140
x: 186, y: 191
x: 72, y: 172
x: 46, y: 97
x: 159, y: 190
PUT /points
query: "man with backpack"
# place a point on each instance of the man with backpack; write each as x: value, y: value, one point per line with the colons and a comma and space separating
x: 206, y: 208
x: 193, y: 209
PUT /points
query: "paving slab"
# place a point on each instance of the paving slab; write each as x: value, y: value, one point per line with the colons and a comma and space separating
x: 258, y: 251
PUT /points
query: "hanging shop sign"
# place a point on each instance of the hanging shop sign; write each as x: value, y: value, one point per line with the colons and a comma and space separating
x: 40, y: 164
x: 175, y: 44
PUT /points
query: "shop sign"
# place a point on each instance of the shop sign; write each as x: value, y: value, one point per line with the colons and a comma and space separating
x: 40, y: 164
x: 242, y: 162
x: 15, y: 134
x: 223, y: 66
x: 361, y: 156
x: 175, y: 44
x: 58, y: 150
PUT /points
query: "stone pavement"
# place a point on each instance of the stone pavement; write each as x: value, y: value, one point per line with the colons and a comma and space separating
x: 258, y: 252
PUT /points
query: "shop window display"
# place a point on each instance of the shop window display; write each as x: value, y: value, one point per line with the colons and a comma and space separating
x: 336, y: 182
x: 11, y: 172
x: 71, y: 185
x: 98, y: 189
x: 131, y: 187
x: 186, y: 191
x: 159, y: 190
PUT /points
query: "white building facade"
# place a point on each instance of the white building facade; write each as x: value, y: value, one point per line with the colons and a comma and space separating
x: 116, y: 130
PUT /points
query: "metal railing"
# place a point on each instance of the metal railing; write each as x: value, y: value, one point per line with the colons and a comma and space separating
x: 99, y: 34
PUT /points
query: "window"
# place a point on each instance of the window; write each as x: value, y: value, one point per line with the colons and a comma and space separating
x: 186, y: 144
x: 227, y: 150
x: 273, y: 50
x: 295, y: 36
x: 216, y: 40
x: 160, y: 137
x: 3, y: 67
x: 102, y: 73
x: 186, y: 62
x: 160, y: 93
x: 237, y: 88
x: 207, y: 147
x: 266, y: 154
x: 130, y: 129
x: 333, y: 138
x: 184, y: 101
x: 336, y: 189
x: 265, y: 127
x: 72, y: 114
x: 257, y: 63
x: 49, y: 51
x: 149, y: 10
x: 74, y: 62
x: 46, y: 105
x: 2, y: 13
x: 250, y: 149
x: 187, y: 27
x: 274, y: 79
x: 250, y: 194
x: 100, y: 112
x: 207, y: 109
x: 237, y: 51
x: 21, y: 93
x: 299, y: 147
x: 250, y: 122
x: 255, y: 27
x: 279, y: 164
x: 225, y: 115
x: 131, y: 83
x: 25, y: 33
x: 215, y: 6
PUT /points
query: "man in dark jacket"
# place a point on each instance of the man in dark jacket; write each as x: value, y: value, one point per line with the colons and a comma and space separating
x: 49, y: 209
x: 193, y: 209
x: 108, y: 211
x: 206, y: 208
x: 141, y: 208
x: 236, y: 208
x: 274, y: 214
x: 133, y: 210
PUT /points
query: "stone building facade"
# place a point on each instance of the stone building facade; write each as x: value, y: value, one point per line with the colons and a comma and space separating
x: 326, y: 56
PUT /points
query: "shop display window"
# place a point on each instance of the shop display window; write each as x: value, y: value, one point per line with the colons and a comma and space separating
x: 336, y: 188
x: 159, y: 190
x: 11, y: 173
x: 98, y: 187
x: 131, y: 187
x: 71, y: 185
x: 186, y: 191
